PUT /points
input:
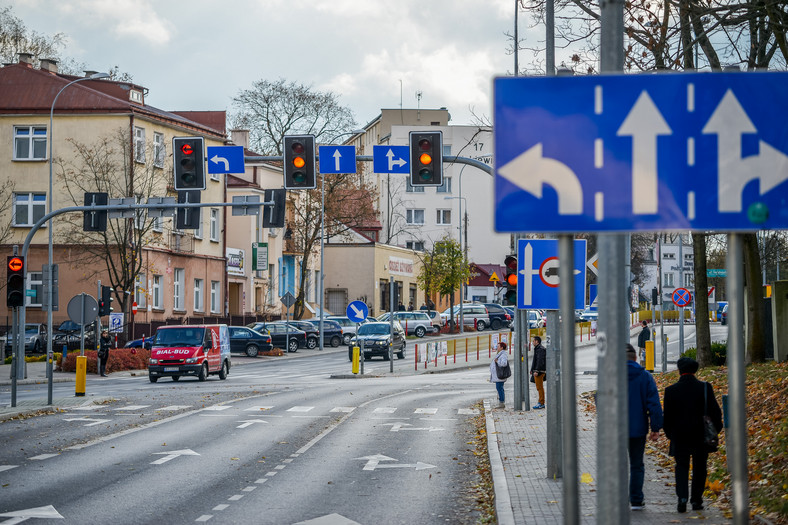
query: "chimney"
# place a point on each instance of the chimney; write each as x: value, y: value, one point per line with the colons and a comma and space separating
x: 26, y: 58
x: 240, y: 137
x: 47, y: 64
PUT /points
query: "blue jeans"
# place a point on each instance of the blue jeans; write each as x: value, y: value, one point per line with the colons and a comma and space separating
x: 637, y: 471
x: 499, y: 388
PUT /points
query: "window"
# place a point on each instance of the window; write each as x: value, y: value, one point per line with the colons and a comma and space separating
x: 35, y: 281
x: 668, y: 280
x: 688, y: 257
x: 30, y: 143
x: 443, y: 217
x: 413, y: 189
x: 140, y: 293
x: 158, y: 224
x: 214, y: 225
x: 139, y: 144
x: 414, y: 216
x: 159, y: 150
x: 668, y: 255
x: 446, y: 150
x: 446, y: 186
x: 29, y: 208
x: 415, y: 245
x: 688, y: 280
x: 215, y: 297
x: 178, y: 292
x: 198, y: 295
x: 651, y: 254
x: 157, y: 295
x: 198, y: 233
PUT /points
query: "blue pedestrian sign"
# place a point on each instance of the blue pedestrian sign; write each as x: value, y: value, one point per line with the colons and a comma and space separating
x: 690, y: 151
x: 390, y: 159
x: 225, y: 159
x: 115, y: 322
x: 337, y: 159
x: 537, y: 273
x: 357, y: 311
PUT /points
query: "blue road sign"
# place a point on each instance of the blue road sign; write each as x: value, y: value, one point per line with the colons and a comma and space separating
x: 682, y: 297
x: 697, y: 151
x: 225, y: 159
x: 115, y: 322
x: 537, y: 279
x: 337, y: 159
x: 593, y: 293
x: 390, y: 159
x: 357, y: 311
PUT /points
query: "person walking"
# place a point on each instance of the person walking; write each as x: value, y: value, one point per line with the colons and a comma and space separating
x: 103, y: 353
x: 643, y: 336
x: 539, y: 369
x: 684, y: 427
x: 501, y: 360
x: 644, y: 408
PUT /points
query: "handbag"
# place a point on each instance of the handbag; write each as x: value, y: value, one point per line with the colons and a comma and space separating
x: 503, y: 372
x: 711, y: 440
x: 532, y: 380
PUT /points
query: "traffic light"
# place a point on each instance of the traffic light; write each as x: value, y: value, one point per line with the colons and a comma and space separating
x: 274, y: 215
x: 299, y: 160
x: 188, y: 162
x: 510, y: 293
x: 15, y: 284
x: 105, y: 302
x: 95, y: 221
x: 654, y: 297
x: 426, y: 158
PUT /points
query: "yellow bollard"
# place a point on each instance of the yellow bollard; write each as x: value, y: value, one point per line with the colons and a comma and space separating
x: 650, y: 356
x: 82, y: 370
x: 356, y: 359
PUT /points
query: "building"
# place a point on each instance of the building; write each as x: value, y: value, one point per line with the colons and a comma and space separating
x: 664, y: 261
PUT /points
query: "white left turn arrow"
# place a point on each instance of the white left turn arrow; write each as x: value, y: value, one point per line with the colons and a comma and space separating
x: 216, y: 159
x: 397, y: 427
x: 19, y: 516
x: 249, y: 422
x: 95, y: 421
x: 172, y: 455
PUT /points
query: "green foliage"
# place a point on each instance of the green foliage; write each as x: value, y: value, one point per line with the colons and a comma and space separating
x: 719, y: 353
x: 444, y: 269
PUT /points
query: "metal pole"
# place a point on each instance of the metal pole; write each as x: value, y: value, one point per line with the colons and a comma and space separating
x: 322, y: 250
x: 662, y: 342
x: 681, y: 283
x: 519, y: 378
x: 553, y: 380
x: 14, y: 353
x: 549, y: 18
x: 524, y: 336
x: 737, y: 431
x: 391, y: 323
x: 568, y: 388
x: 516, y: 37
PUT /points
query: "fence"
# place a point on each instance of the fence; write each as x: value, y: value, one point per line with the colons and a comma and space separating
x: 473, y: 347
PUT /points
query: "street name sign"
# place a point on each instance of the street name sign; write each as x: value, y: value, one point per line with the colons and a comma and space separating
x: 225, y: 159
x: 337, y: 159
x: 537, y: 273
x: 690, y: 151
x: 390, y: 159
x: 716, y: 272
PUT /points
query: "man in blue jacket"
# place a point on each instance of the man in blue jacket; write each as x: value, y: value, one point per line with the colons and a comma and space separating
x: 644, y: 407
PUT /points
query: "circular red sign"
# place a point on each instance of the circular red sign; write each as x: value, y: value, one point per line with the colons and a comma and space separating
x: 134, y: 308
x: 15, y: 264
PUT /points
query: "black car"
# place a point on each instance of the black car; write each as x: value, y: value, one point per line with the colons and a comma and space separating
x: 312, y: 333
x: 67, y: 334
x: 499, y: 318
x: 374, y: 338
x: 279, y: 335
x: 247, y: 341
x: 332, y: 331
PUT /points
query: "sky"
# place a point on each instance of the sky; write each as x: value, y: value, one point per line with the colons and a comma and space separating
x: 198, y: 54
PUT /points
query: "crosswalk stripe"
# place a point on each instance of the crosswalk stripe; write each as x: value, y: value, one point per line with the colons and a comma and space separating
x: 384, y: 410
x: 467, y: 412
x: 131, y: 407
x: 3, y: 468
x: 300, y: 409
x: 426, y: 411
x: 172, y: 408
x: 217, y: 408
x: 257, y: 408
x: 343, y: 409
x: 44, y: 456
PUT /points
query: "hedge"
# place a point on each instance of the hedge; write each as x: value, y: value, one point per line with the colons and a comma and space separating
x: 119, y: 359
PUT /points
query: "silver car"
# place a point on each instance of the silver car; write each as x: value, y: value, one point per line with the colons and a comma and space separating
x: 416, y: 323
x: 474, y: 315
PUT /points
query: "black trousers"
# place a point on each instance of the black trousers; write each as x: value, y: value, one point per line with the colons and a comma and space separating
x: 103, y: 364
x: 699, y: 458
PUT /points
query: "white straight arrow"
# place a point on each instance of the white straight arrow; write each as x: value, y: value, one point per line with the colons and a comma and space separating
x: 216, y: 159
x: 18, y: 516
x: 644, y: 123
x: 96, y: 421
x: 527, y: 274
x: 172, y: 455
x: 337, y: 157
x: 250, y: 422
x: 392, y: 161
x: 396, y: 427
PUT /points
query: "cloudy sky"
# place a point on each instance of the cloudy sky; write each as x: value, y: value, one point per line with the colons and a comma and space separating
x: 197, y: 54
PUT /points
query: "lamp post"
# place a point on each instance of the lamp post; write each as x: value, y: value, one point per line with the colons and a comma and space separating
x: 94, y: 76
x: 464, y: 251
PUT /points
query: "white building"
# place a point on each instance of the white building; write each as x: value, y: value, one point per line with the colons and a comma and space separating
x: 674, y: 272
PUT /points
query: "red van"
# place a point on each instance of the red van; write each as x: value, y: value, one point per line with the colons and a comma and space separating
x: 198, y: 350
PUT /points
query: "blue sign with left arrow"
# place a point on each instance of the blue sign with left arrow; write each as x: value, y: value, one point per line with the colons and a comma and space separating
x: 337, y: 159
x: 225, y: 159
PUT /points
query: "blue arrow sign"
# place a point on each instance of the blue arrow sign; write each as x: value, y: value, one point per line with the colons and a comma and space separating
x: 537, y: 273
x: 593, y: 293
x: 225, y: 159
x: 357, y: 311
x: 337, y: 159
x: 390, y: 159
x: 641, y: 152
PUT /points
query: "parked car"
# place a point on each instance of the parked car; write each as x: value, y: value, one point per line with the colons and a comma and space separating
x: 535, y: 317
x: 332, y: 331
x: 589, y: 315
x: 312, y: 333
x: 140, y: 343
x: 721, y: 306
x: 474, y: 315
x: 68, y: 334
x: 416, y: 323
x: 499, y: 318
x: 348, y: 327
x: 279, y: 335
x: 374, y: 338
x: 35, y: 338
x: 246, y: 341
x: 435, y: 319
x: 724, y: 315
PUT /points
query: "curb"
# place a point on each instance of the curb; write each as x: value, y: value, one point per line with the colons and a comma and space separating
x: 503, y: 502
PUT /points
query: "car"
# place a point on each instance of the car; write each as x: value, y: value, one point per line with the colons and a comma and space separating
x: 332, y: 331
x: 535, y: 318
x: 140, y: 343
x: 67, y: 334
x: 724, y: 315
x: 374, y: 338
x: 474, y: 315
x: 416, y: 323
x: 348, y: 327
x: 721, y: 306
x: 589, y: 315
x: 282, y: 336
x: 35, y: 338
x: 190, y: 350
x: 435, y: 319
x: 246, y: 341
x: 499, y: 318
x: 312, y: 333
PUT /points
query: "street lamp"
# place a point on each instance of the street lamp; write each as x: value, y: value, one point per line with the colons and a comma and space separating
x: 323, y: 237
x: 463, y: 290
x: 50, y: 283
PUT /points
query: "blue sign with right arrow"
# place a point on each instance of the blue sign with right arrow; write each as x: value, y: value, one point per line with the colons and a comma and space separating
x: 390, y: 159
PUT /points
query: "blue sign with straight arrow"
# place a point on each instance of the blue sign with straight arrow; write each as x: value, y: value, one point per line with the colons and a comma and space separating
x: 337, y: 159
x: 390, y: 159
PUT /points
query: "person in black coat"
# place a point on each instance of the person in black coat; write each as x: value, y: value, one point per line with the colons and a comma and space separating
x: 683, y: 424
x: 103, y: 354
x: 539, y: 369
x: 643, y: 336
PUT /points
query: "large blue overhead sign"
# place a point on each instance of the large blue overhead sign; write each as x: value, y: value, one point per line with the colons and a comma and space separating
x: 337, y: 159
x: 700, y: 151
x: 537, y: 273
x: 390, y: 159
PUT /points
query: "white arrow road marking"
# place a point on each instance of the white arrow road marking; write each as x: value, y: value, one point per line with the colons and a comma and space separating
x: 343, y: 409
x: 3, y: 468
x: 396, y: 427
x: 337, y: 157
x: 531, y: 171
x: 217, y: 408
x: 132, y: 407
x: 329, y: 519
x: 216, y: 159
x: 644, y: 123
x: 373, y: 462
x: 172, y: 455
x: 250, y: 422
x: 394, y: 162
x: 19, y: 516
x: 95, y: 421
x: 356, y: 311
x: 172, y: 408
x: 42, y: 457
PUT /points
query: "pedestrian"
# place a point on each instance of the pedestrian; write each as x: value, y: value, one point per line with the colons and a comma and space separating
x: 643, y: 336
x: 684, y: 427
x: 423, y: 307
x: 103, y: 353
x: 400, y: 307
x: 501, y: 359
x: 410, y: 306
x: 644, y: 408
x: 539, y: 369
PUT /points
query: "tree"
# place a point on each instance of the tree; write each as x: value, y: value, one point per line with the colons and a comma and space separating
x: 444, y: 270
x: 702, y: 332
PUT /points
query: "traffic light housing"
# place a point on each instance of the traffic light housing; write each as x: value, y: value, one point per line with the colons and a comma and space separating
x: 274, y: 215
x: 15, y: 283
x: 95, y: 221
x: 188, y: 162
x: 105, y: 301
x: 299, y: 162
x: 510, y: 290
x: 426, y: 158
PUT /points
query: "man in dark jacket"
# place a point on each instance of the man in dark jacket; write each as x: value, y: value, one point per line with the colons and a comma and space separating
x: 538, y: 369
x: 103, y: 353
x: 684, y: 411
x: 644, y: 407
x: 643, y: 336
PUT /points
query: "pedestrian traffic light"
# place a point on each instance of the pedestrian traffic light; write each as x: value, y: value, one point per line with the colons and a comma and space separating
x: 15, y: 283
x: 510, y: 293
x: 188, y: 162
x: 95, y: 221
x: 426, y: 158
x: 274, y: 215
x: 299, y: 161
x: 105, y: 302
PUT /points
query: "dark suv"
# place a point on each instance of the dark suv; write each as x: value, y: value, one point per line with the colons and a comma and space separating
x: 374, y: 339
x: 312, y: 333
x: 332, y: 331
x: 499, y: 318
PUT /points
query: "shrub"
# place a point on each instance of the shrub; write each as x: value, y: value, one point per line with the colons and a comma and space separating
x: 719, y: 353
x: 119, y: 359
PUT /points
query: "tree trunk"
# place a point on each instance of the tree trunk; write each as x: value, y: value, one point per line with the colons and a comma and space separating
x: 702, y: 333
x: 756, y: 343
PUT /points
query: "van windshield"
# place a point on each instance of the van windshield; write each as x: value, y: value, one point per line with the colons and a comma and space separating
x: 183, y: 336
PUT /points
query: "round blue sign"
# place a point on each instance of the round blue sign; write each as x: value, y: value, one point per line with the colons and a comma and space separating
x: 682, y: 297
x: 357, y: 311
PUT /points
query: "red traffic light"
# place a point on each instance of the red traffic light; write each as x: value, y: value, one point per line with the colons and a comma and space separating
x: 511, y: 263
x: 187, y: 149
x: 15, y: 264
x: 425, y: 144
x: 298, y: 148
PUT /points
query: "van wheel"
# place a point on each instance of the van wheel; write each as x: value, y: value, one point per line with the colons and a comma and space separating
x: 175, y: 378
x: 292, y: 346
x: 311, y: 343
x: 223, y: 371
x: 153, y: 379
x: 336, y: 341
x: 203, y: 372
x: 496, y: 324
x: 252, y: 351
x: 420, y: 331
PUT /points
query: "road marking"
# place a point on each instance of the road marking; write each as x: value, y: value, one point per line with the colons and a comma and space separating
x: 261, y: 480
x: 37, y: 512
x: 95, y: 421
x: 373, y: 462
x: 204, y: 517
x: 396, y: 427
x: 236, y: 497
x: 426, y: 411
x: 329, y: 519
x: 250, y: 488
x: 89, y: 407
x: 221, y: 506
x: 384, y: 410
x: 300, y: 409
x: 288, y: 460
x: 3, y: 468
x: 271, y: 474
x: 467, y: 412
x: 257, y: 408
x: 249, y: 422
x: 44, y: 456
x: 217, y: 408
x: 132, y: 407
x: 343, y: 409
x: 279, y: 467
x: 173, y: 408
x: 172, y: 455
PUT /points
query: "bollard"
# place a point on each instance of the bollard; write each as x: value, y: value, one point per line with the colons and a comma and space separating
x: 82, y: 369
x: 650, y: 356
x: 356, y: 359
